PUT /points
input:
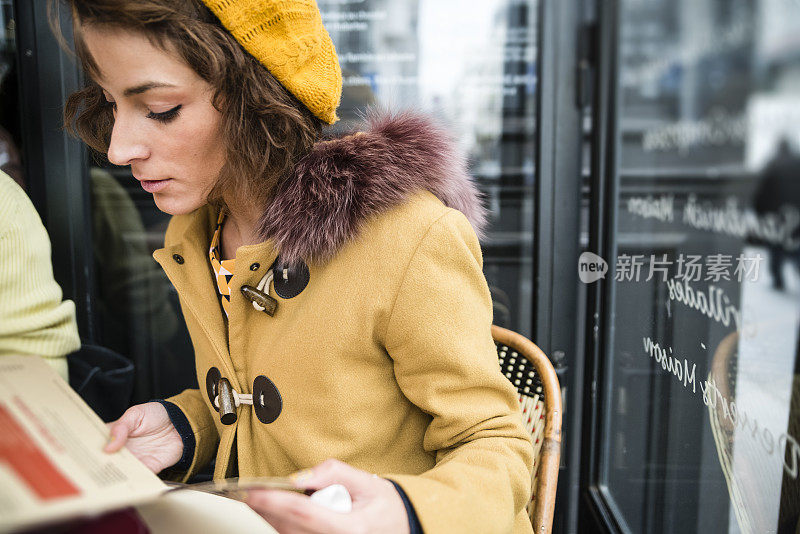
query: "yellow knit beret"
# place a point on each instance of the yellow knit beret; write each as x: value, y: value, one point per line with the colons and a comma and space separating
x: 288, y: 38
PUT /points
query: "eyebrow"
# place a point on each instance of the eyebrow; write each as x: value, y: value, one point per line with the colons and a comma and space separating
x: 139, y: 89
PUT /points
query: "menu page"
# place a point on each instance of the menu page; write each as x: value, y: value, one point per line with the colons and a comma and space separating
x: 52, y: 464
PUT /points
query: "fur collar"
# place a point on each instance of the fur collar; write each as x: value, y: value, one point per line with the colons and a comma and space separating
x: 344, y: 181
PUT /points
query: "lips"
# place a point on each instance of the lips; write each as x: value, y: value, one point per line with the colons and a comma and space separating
x: 155, y: 186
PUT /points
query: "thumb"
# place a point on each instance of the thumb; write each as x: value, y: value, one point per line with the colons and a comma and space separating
x: 331, y: 472
x: 121, y: 429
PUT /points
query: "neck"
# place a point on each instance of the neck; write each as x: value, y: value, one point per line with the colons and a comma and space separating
x: 240, y: 229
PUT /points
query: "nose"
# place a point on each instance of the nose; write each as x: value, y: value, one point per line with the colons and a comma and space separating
x: 126, y: 145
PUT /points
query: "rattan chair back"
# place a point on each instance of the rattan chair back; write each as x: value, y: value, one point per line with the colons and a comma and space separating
x: 532, y: 374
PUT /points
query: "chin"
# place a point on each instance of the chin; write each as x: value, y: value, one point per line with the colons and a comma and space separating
x: 176, y: 206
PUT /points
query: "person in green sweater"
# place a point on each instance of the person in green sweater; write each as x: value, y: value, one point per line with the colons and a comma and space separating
x: 34, y: 319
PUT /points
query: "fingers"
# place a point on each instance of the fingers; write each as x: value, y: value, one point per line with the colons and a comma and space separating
x: 357, y: 482
x: 377, y: 507
x: 122, y: 428
x: 290, y: 512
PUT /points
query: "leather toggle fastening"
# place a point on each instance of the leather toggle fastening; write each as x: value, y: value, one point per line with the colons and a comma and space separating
x: 212, y: 379
x: 265, y: 399
x: 290, y: 280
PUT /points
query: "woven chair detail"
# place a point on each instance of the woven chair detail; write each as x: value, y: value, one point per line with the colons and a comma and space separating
x: 533, y: 376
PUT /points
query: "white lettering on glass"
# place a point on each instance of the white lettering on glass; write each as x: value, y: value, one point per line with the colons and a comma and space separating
x: 712, y: 396
x: 778, y: 228
x: 660, y: 208
x: 713, y: 303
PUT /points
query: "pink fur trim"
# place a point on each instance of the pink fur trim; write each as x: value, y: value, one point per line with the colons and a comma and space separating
x: 344, y: 181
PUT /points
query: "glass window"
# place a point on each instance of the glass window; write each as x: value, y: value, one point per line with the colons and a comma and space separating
x: 700, y: 429
x: 136, y: 310
x: 473, y: 67
x: 10, y: 131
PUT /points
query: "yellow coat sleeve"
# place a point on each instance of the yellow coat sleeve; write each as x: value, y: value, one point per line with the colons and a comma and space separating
x: 206, y: 436
x: 439, y: 338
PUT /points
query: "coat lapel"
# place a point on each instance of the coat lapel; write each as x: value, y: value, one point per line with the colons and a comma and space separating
x: 194, y: 282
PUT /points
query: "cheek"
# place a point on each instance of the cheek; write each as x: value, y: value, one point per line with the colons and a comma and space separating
x: 201, y: 149
x: 208, y: 141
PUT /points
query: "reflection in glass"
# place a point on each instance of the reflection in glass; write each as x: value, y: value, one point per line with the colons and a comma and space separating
x: 10, y: 133
x: 701, y: 426
x: 471, y: 65
x: 136, y: 308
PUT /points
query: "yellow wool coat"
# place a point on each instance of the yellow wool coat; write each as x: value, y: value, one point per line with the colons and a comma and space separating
x: 384, y: 361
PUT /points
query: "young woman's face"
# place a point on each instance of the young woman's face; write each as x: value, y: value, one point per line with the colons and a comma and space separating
x: 165, y: 126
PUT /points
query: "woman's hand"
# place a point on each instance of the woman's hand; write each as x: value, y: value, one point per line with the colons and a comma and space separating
x: 149, y: 434
x: 377, y: 507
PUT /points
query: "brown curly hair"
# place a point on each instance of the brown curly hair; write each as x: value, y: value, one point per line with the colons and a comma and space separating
x: 266, y: 130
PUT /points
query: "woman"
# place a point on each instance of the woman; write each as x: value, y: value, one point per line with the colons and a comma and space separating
x: 332, y: 288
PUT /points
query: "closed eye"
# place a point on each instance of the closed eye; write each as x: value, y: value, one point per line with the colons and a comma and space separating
x: 165, y: 116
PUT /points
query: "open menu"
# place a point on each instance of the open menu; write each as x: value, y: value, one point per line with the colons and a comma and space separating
x: 53, y: 468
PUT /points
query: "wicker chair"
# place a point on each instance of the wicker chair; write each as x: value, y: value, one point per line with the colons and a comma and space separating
x: 540, y: 400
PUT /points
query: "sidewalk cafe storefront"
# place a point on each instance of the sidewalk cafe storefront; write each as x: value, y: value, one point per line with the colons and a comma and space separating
x: 641, y: 163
